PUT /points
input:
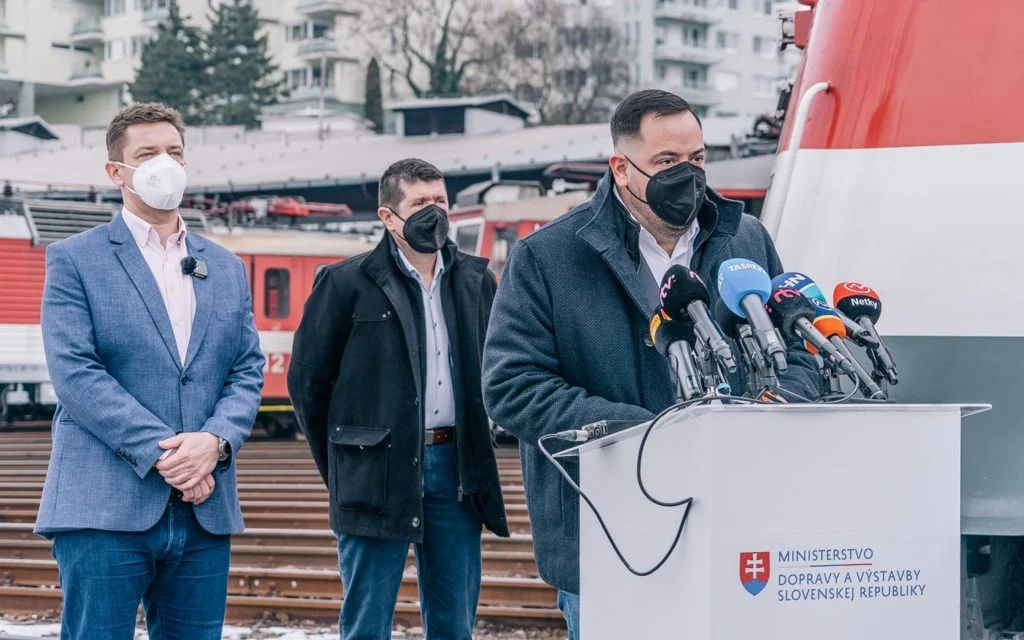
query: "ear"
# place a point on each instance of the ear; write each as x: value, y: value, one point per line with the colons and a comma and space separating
x: 620, y: 169
x: 385, y: 216
x: 115, y: 175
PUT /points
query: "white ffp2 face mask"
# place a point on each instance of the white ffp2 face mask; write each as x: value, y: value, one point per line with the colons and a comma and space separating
x: 159, y: 181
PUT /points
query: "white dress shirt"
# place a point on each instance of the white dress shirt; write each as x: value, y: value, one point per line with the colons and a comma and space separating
x: 658, y: 261
x: 439, y: 403
x: 165, y: 265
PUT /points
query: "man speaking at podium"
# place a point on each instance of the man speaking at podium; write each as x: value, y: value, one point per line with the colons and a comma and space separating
x: 568, y: 341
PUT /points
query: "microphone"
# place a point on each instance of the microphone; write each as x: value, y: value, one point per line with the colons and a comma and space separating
x: 793, y: 314
x: 807, y: 286
x: 683, y: 293
x: 828, y: 323
x: 745, y: 286
x: 672, y: 338
x: 760, y: 374
x: 863, y: 305
x: 188, y: 265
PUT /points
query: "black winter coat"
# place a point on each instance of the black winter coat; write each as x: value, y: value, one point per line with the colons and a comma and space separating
x: 356, y: 381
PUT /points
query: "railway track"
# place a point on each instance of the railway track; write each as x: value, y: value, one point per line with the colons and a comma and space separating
x: 285, y: 563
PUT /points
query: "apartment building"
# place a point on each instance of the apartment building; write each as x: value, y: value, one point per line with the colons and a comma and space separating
x: 720, y: 55
x: 69, y: 61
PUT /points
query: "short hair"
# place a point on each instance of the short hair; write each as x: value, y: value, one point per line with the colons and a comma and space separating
x: 628, y: 115
x: 139, y: 113
x: 390, y: 194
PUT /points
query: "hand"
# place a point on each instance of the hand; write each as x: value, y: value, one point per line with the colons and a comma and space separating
x: 192, y: 457
x: 199, y: 493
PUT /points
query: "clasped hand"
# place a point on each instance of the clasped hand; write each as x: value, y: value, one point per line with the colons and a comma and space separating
x: 188, y: 463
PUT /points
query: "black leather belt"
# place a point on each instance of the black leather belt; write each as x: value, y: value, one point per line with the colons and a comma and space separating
x: 440, y: 435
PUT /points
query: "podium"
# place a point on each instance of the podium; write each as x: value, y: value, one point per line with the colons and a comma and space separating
x: 808, y: 522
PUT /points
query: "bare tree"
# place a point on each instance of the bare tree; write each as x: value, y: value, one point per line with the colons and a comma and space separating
x: 430, y: 44
x: 569, y: 61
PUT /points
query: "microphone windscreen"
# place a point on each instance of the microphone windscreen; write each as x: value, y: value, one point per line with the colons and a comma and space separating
x: 727, y: 320
x: 679, y: 288
x: 827, y: 322
x: 738, y: 278
x: 800, y: 282
x: 855, y: 300
x: 785, y: 307
x: 665, y: 330
x: 188, y: 265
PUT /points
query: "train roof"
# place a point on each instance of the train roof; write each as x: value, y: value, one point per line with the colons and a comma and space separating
x: 269, y: 242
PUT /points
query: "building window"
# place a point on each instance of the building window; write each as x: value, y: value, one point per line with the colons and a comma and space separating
x: 765, y: 47
x: 764, y: 86
x: 138, y: 43
x: 661, y: 71
x: 115, y: 49
x: 693, y: 79
x: 276, y: 291
x: 113, y: 7
x: 732, y: 5
x: 727, y: 82
x: 695, y: 37
x: 763, y: 7
x: 729, y: 41
x: 467, y: 236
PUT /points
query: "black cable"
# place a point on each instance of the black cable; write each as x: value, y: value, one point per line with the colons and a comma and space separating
x: 686, y: 501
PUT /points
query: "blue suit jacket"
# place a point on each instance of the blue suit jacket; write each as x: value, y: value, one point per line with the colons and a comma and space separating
x: 121, y: 387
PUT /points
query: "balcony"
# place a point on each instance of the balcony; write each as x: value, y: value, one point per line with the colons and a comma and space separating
x: 87, y: 32
x: 315, y: 48
x: 677, y: 11
x: 678, y: 52
x: 87, y: 73
x: 326, y: 9
x: 701, y: 94
x: 306, y: 94
x: 154, y: 15
x: 7, y: 31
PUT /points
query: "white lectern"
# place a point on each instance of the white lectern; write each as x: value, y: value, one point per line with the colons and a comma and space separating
x: 809, y: 522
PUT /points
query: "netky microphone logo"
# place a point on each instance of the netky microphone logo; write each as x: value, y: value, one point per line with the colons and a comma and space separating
x: 864, y: 301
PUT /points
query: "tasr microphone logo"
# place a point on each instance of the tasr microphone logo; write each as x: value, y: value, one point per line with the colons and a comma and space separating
x: 755, y: 569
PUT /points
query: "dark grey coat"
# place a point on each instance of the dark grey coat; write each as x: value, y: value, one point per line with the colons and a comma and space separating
x: 567, y: 344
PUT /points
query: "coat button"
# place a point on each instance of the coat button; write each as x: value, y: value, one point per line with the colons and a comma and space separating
x: 415, y: 522
x: 415, y: 462
x: 416, y: 402
x: 648, y: 341
x: 185, y: 379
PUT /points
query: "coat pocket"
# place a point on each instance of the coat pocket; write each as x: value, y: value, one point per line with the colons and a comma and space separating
x: 358, y: 467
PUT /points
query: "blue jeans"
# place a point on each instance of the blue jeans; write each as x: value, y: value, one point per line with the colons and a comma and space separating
x: 448, y: 564
x: 177, y: 569
x: 569, y: 603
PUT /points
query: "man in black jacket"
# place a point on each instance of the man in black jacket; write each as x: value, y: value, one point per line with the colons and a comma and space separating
x: 385, y: 380
x: 568, y: 343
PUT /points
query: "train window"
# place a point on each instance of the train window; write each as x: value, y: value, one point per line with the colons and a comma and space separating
x: 467, y: 236
x: 276, y: 289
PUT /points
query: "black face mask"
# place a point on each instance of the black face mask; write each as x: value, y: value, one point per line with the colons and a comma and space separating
x: 676, y: 194
x: 426, y: 230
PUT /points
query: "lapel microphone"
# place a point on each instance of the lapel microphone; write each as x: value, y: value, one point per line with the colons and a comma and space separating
x: 192, y: 267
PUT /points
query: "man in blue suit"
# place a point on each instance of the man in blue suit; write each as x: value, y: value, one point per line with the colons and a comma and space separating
x: 154, y: 356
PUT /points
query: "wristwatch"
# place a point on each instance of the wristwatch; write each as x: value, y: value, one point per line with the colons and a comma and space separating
x: 223, y: 450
